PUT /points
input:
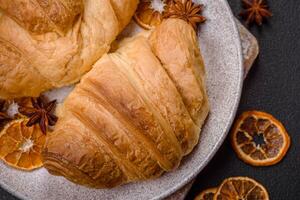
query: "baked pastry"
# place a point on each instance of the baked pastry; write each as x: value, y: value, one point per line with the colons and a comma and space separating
x: 135, y: 114
x: 46, y: 44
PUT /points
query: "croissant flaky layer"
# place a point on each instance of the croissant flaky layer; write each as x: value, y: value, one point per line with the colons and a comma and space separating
x: 46, y: 44
x: 135, y: 114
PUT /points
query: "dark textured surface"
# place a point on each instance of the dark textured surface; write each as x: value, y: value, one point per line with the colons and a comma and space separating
x: 273, y: 85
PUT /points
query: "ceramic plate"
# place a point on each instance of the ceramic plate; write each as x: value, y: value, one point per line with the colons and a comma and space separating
x: 221, y: 49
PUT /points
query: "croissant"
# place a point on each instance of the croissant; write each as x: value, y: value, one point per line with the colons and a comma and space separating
x: 135, y: 114
x: 46, y: 44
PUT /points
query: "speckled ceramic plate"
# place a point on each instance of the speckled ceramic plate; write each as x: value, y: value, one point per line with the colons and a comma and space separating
x: 221, y: 49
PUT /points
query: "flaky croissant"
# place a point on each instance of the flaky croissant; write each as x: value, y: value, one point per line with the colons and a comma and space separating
x: 135, y: 114
x: 46, y: 44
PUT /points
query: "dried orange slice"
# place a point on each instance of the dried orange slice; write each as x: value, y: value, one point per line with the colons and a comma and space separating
x: 21, y: 146
x: 241, y: 188
x: 149, y: 13
x: 259, y: 139
x: 207, y: 194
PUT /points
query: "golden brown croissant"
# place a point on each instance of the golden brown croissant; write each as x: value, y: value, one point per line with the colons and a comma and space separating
x: 46, y: 44
x: 135, y: 114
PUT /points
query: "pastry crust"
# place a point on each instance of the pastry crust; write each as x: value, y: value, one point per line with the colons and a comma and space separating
x: 52, y: 43
x: 133, y: 111
x: 176, y: 46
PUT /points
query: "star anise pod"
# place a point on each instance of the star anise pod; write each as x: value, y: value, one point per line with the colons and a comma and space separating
x: 3, y: 114
x: 255, y: 11
x: 186, y: 10
x: 41, y: 113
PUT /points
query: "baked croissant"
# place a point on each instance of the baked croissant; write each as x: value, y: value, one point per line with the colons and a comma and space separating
x: 135, y: 114
x: 46, y: 44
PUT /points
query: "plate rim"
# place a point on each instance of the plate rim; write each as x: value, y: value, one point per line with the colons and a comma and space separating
x: 217, y: 146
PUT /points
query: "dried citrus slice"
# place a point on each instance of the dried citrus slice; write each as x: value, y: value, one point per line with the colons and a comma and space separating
x: 21, y: 146
x: 259, y: 139
x: 207, y: 194
x: 241, y: 188
x: 149, y: 13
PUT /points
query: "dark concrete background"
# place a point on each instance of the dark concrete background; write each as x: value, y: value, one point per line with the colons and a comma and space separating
x: 273, y: 85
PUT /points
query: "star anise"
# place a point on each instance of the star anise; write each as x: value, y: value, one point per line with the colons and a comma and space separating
x: 3, y: 114
x: 186, y: 10
x: 255, y: 11
x: 41, y: 113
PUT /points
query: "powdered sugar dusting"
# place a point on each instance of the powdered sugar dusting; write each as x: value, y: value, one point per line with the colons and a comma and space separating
x: 59, y: 94
x: 158, y: 5
x: 27, y: 145
x: 12, y: 109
